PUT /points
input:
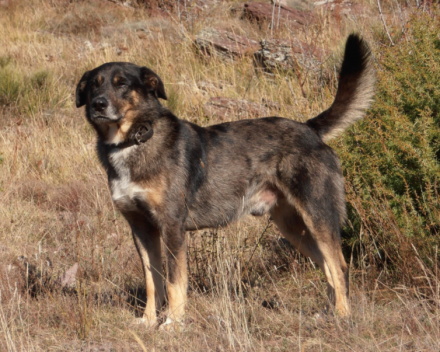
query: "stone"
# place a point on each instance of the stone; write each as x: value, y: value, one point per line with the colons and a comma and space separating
x: 68, y: 278
x: 224, y: 109
x: 284, y: 15
x: 223, y: 43
x: 285, y: 54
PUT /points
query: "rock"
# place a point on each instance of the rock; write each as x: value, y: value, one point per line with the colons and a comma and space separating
x: 225, y: 108
x: 226, y: 44
x: 340, y: 7
x: 68, y: 279
x: 261, y: 12
x: 287, y: 54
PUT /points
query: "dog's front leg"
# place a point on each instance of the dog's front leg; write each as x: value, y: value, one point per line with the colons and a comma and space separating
x: 177, y: 285
x: 148, y: 243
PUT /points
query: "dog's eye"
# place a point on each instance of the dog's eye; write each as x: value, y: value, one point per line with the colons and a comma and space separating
x: 121, y: 84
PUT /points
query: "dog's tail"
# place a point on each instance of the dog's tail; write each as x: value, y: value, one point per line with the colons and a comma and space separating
x: 355, y: 91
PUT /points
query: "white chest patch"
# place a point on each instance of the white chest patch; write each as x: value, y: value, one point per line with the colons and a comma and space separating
x: 122, y: 186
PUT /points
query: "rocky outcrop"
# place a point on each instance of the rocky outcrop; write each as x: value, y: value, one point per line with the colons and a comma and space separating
x: 223, y: 43
x: 283, y: 54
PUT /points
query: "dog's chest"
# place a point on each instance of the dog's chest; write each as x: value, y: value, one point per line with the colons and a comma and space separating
x: 125, y: 193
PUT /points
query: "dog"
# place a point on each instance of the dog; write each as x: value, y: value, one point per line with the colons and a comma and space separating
x: 168, y: 176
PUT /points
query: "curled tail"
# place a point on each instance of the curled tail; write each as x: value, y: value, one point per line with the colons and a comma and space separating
x: 355, y: 91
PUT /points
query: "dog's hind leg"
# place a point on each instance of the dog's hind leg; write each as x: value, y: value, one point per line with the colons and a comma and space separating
x: 148, y: 243
x: 321, y: 244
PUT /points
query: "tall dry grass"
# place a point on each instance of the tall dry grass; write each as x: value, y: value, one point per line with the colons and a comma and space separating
x: 248, y: 289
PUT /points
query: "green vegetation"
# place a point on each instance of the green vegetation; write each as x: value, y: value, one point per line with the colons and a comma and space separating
x: 391, y: 158
x: 30, y: 93
x: 10, y: 84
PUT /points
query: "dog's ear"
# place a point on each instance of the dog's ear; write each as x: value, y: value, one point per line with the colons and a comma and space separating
x: 81, y: 90
x: 153, y: 82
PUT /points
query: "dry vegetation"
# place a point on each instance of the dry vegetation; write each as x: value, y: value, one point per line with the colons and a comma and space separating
x: 248, y: 289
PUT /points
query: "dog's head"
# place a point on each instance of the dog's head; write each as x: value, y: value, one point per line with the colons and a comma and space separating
x: 117, y: 92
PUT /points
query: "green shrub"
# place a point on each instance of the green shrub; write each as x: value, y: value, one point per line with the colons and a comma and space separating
x: 10, y: 84
x: 30, y: 93
x: 391, y: 159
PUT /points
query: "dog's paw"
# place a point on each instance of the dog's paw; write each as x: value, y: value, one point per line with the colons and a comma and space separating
x: 171, y: 325
x: 149, y: 323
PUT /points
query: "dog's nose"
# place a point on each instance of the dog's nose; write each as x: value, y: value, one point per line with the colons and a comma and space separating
x: 100, y: 104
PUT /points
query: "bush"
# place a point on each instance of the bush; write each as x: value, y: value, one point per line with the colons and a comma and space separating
x: 30, y: 93
x: 10, y: 84
x: 391, y: 160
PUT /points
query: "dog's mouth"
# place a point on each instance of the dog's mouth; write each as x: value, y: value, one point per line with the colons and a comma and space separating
x: 103, y: 119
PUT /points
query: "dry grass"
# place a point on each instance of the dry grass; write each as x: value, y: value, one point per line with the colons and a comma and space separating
x: 248, y: 290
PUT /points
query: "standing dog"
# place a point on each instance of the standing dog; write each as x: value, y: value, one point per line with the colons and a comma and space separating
x: 168, y: 176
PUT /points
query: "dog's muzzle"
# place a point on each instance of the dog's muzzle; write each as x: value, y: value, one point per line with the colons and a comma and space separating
x: 102, y: 112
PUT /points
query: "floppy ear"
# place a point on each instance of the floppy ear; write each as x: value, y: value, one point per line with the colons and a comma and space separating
x: 153, y: 82
x: 81, y: 90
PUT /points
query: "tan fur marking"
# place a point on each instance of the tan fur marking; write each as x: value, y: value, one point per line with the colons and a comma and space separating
x: 177, y: 294
x: 126, y: 123
x: 118, y: 132
x: 336, y: 279
x: 154, y: 190
x: 100, y: 80
x: 153, y: 82
x: 116, y: 79
x: 135, y: 98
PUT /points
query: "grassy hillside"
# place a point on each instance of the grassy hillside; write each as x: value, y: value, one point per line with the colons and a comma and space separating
x: 249, y: 291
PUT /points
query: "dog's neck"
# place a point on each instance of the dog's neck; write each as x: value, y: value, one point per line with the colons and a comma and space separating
x: 124, y: 131
x: 138, y: 134
x: 167, y: 125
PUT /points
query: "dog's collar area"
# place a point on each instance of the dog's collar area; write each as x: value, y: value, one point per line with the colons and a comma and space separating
x: 144, y: 133
x: 139, y: 135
